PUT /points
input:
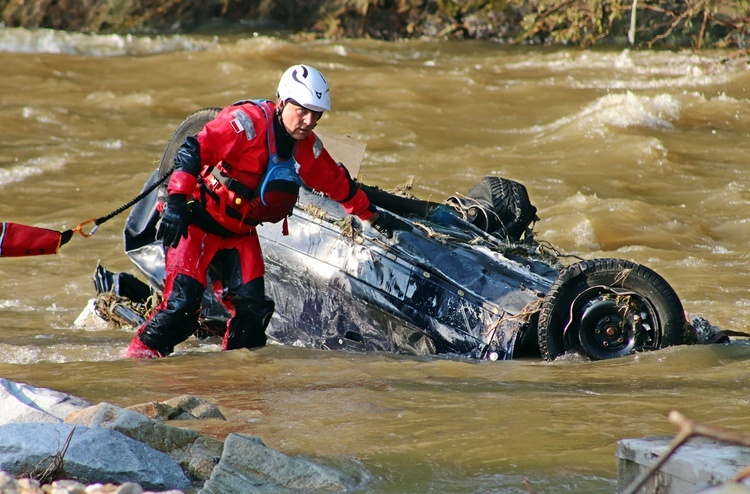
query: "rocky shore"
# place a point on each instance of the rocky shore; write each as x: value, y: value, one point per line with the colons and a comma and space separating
x: 9, y: 485
x: 51, y: 442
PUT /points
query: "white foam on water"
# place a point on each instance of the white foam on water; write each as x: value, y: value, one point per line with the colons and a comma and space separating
x: 622, y: 110
x: 12, y: 303
x: 626, y: 110
x: 12, y: 354
x: 631, y: 70
x: 105, y: 99
x: 21, y: 40
x: 40, y: 115
x: 111, y: 144
x: 31, y: 168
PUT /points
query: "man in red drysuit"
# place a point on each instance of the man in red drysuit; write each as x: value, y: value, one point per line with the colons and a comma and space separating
x: 251, y: 160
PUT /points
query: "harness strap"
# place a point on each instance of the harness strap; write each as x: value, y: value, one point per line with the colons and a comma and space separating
x: 232, y: 184
x: 279, y: 176
x: 277, y: 169
x: 231, y: 212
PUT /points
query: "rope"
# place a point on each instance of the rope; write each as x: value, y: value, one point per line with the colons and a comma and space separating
x: 128, y: 205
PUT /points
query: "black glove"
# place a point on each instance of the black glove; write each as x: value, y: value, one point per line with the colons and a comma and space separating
x: 387, y: 224
x: 175, y: 221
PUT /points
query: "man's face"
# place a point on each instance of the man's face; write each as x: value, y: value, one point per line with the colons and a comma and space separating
x: 298, y: 120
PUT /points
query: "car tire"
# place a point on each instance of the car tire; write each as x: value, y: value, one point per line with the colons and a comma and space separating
x: 140, y: 228
x: 608, y: 308
x: 504, y: 207
x: 192, y: 124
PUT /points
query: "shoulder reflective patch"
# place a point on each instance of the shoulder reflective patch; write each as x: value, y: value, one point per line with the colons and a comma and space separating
x: 242, y: 123
x: 317, y: 147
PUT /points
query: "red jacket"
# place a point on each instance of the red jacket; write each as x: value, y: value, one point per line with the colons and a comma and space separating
x: 236, y: 143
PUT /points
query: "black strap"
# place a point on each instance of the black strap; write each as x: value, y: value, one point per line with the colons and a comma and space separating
x: 206, y: 222
x: 233, y: 184
x: 136, y: 199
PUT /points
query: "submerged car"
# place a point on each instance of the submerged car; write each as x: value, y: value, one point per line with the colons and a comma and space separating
x: 468, y: 278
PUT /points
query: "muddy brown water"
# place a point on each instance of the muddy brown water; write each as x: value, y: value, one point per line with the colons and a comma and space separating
x: 631, y: 154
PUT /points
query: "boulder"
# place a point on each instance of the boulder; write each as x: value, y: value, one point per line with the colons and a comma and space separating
x: 197, y: 455
x: 248, y: 465
x: 21, y: 403
x: 695, y: 466
x: 186, y: 407
x: 155, y: 410
x: 159, y: 436
x: 200, y: 458
x: 92, y: 455
x: 194, y: 407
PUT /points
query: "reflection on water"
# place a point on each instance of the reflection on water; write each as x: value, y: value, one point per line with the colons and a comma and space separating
x: 626, y: 154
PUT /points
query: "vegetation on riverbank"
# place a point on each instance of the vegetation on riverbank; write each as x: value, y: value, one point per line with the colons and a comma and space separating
x: 646, y: 23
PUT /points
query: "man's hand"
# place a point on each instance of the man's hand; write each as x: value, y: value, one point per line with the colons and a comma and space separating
x: 387, y: 224
x: 175, y: 221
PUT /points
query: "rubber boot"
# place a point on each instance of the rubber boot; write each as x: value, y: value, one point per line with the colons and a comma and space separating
x: 138, y: 349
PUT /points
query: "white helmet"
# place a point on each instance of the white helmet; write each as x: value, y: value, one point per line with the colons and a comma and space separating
x: 306, y: 86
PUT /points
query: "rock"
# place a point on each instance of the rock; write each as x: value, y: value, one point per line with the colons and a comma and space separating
x: 93, y: 455
x: 137, y: 426
x: 155, y: 410
x: 248, y: 465
x: 197, y: 455
x: 185, y: 407
x: 9, y: 485
x: 121, y: 446
x: 23, y: 403
x: 698, y: 464
x: 727, y: 488
x: 195, y: 407
x: 200, y: 458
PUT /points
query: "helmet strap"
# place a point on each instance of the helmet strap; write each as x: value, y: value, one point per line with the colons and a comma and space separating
x: 281, y: 128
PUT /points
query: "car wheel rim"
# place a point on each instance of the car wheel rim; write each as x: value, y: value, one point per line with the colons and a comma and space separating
x: 615, y: 325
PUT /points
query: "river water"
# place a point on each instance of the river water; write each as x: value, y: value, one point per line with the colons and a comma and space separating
x: 631, y: 154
